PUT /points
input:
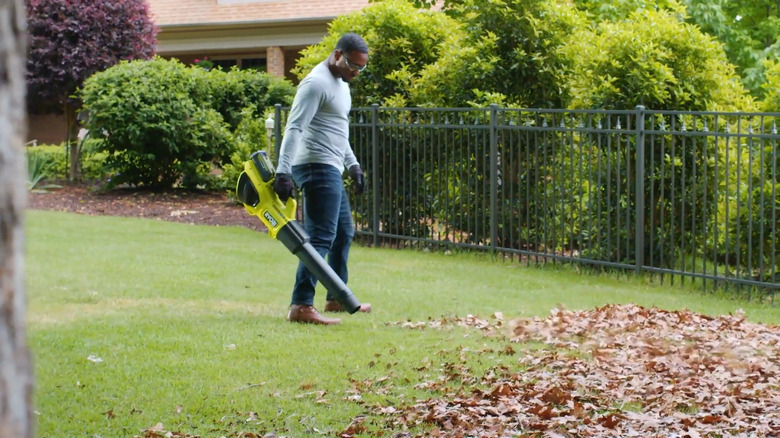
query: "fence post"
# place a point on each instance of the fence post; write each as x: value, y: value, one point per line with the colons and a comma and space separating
x: 277, y: 130
x: 269, y: 135
x: 493, y: 177
x: 375, y: 171
x: 639, y: 226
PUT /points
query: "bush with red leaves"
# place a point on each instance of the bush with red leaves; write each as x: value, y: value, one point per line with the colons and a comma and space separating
x: 70, y: 40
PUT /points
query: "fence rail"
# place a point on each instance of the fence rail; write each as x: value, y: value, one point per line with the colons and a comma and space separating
x: 686, y: 196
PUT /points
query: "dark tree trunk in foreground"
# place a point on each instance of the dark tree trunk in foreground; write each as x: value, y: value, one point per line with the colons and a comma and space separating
x: 16, y: 418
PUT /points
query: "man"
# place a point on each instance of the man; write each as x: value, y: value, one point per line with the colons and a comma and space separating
x: 314, y: 153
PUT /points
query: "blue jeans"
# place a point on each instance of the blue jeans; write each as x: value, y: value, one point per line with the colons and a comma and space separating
x: 327, y: 220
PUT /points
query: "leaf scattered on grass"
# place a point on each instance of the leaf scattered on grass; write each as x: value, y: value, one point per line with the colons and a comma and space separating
x: 618, y: 370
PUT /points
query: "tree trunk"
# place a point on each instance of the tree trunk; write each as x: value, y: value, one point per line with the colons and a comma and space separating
x: 74, y: 146
x: 16, y: 418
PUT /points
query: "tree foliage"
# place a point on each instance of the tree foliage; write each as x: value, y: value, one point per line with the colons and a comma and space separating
x: 522, y: 53
x: 771, y: 102
x: 749, y: 31
x: 552, y: 54
x: 402, y: 41
x: 616, y: 10
x: 652, y: 59
x: 71, y: 40
x: 473, y: 53
x: 528, y: 68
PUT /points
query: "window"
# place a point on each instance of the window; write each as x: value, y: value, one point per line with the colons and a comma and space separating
x: 254, y: 63
x: 224, y: 63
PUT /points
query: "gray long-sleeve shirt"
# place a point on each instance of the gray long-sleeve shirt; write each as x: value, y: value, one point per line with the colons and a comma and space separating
x: 318, y: 126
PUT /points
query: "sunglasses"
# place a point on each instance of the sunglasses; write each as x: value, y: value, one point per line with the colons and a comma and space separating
x: 352, y: 66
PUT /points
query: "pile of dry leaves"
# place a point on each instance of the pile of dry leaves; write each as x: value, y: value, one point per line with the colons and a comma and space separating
x: 619, y: 370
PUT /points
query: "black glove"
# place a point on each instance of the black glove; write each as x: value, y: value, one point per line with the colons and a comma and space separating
x: 357, y: 176
x: 283, y: 186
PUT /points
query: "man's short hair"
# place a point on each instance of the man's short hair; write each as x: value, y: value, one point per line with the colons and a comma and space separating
x: 352, y: 42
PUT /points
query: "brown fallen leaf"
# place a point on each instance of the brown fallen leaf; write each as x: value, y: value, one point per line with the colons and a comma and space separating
x: 616, y: 370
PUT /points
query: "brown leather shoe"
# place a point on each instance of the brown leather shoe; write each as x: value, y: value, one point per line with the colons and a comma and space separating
x: 309, y: 315
x: 334, y: 306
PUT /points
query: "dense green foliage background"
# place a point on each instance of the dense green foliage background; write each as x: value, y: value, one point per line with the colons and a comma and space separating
x: 160, y: 123
x: 559, y: 54
x: 748, y: 32
x: 174, y: 126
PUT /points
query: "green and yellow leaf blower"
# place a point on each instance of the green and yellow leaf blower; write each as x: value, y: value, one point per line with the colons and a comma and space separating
x: 255, y: 190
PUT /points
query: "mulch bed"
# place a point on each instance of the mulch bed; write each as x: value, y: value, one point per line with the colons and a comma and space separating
x: 185, y: 206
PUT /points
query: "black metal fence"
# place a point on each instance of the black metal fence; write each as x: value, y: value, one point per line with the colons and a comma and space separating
x: 682, y: 195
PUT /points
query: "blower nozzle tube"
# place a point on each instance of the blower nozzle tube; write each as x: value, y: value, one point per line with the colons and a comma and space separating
x: 297, y: 242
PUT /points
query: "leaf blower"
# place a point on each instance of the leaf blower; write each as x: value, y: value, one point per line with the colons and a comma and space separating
x: 255, y: 190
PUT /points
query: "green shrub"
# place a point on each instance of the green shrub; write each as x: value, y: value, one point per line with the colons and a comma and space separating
x: 153, y: 131
x: 651, y: 59
x: 37, y: 170
x: 161, y: 123
x: 250, y: 137
x: 92, y: 161
x: 746, y: 222
x: 616, y: 10
x: 746, y: 219
x: 402, y: 40
x: 56, y: 167
x: 525, y: 63
x: 231, y: 92
x: 771, y: 101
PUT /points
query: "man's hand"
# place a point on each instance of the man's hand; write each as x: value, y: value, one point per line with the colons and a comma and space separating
x: 356, y: 173
x: 283, y: 186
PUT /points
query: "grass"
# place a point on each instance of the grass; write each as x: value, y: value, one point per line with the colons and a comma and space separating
x: 136, y: 322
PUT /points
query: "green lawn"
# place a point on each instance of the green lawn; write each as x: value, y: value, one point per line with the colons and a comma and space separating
x: 135, y: 323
